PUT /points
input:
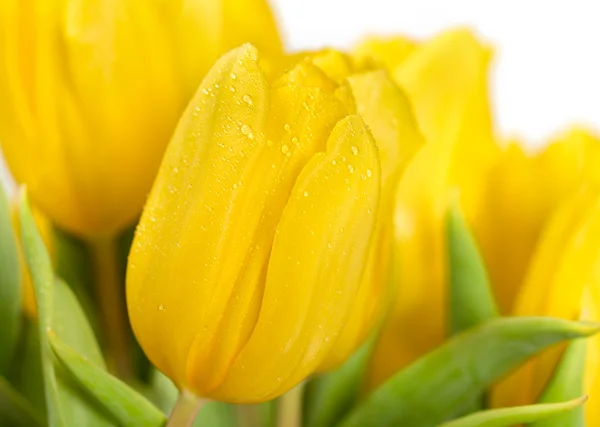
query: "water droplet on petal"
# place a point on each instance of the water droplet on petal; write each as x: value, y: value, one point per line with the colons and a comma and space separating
x: 285, y: 149
x: 369, y: 173
x: 305, y: 194
x: 232, y: 88
x: 247, y: 99
x: 287, y: 127
x: 245, y: 129
x: 350, y: 168
x: 161, y: 307
x: 354, y: 150
x: 233, y: 76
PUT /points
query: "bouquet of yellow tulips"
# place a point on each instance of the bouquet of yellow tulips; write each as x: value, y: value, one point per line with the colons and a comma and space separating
x: 212, y: 231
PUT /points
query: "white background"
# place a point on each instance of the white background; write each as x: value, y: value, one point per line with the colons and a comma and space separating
x: 546, y: 72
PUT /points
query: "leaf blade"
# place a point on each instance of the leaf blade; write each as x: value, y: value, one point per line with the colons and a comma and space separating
x: 127, y: 406
x: 431, y: 390
x: 10, y: 285
x: 506, y: 417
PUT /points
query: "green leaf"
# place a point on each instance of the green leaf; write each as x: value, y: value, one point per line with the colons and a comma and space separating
x: 15, y: 410
x: 471, y: 300
x: 127, y: 406
x: 26, y: 374
x: 437, y: 386
x: 329, y: 397
x: 59, y: 310
x: 470, y: 297
x: 566, y: 383
x: 10, y: 285
x: 507, y: 417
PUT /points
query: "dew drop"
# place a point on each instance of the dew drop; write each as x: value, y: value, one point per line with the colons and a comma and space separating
x: 294, y: 140
x: 233, y: 76
x: 287, y: 127
x: 269, y: 143
x: 247, y: 99
x: 350, y: 168
x: 285, y: 149
x: 161, y: 307
x: 232, y: 88
x: 369, y: 173
x: 246, y: 130
x: 333, y: 162
x: 354, y: 150
x: 217, y: 86
x: 305, y: 194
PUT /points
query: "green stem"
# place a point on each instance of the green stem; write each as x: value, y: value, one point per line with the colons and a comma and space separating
x: 289, y: 413
x: 110, y: 293
x: 185, y: 410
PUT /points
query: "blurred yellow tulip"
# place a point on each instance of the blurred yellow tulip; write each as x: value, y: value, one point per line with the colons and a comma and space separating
x: 563, y: 281
x: 445, y: 78
x: 508, y: 207
x: 519, y: 195
x: 92, y: 91
x: 252, y: 248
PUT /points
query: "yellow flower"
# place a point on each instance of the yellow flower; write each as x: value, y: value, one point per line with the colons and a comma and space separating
x: 519, y: 194
x: 445, y: 79
x: 253, y: 244
x: 92, y: 90
x: 508, y: 206
x: 563, y: 281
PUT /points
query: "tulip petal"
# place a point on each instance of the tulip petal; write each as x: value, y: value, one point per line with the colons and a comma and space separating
x: 205, y: 29
x: 389, y: 53
x: 443, y: 77
x: 388, y: 113
x: 315, y: 268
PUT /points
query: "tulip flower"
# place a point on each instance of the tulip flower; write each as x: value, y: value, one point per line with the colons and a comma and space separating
x: 563, y: 280
x: 520, y: 193
x: 508, y: 208
x: 445, y: 79
x: 92, y: 91
x: 255, y: 238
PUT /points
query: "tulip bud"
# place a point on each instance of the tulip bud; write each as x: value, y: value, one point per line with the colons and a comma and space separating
x: 92, y: 90
x: 252, y: 246
x: 563, y: 280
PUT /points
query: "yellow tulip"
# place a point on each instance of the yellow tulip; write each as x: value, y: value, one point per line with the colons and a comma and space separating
x: 520, y: 193
x: 92, y: 91
x: 507, y: 207
x: 563, y: 281
x: 254, y: 241
x: 445, y: 79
